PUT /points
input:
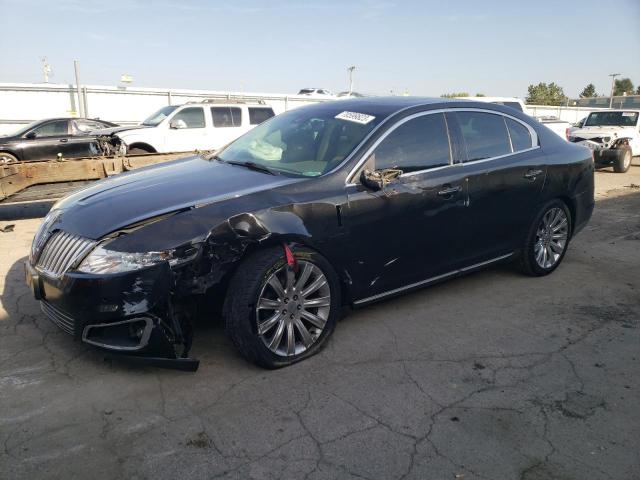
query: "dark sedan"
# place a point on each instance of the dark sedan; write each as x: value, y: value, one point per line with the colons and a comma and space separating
x: 45, y: 139
x: 339, y: 203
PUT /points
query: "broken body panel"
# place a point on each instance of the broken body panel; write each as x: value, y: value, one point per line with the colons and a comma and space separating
x: 376, y: 240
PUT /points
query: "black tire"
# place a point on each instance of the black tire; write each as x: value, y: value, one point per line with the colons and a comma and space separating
x: 622, y: 163
x: 527, y: 262
x: 7, y: 158
x: 239, y: 310
x: 138, y: 151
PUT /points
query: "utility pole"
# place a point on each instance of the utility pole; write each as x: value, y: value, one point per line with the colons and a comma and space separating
x: 613, y: 86
x: 350, y: 70
x: 46, y: 69
x: 80, y: 105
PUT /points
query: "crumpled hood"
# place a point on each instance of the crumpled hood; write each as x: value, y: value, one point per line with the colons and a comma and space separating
x: 129, y: 198
x: 112, y: 130
x: 604, y: 131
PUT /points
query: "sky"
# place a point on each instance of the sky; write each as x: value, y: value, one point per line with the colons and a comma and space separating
x: 493, y: 47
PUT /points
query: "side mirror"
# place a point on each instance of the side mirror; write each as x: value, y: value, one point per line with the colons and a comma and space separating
x: 31, y: 135
x: 378, y: 179
x: 177, y: 124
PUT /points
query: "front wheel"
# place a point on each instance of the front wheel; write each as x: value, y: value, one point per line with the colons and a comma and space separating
x: 7, y: 158
x: 622, y: 163
x: 547, y: 240
x: 277, y: 314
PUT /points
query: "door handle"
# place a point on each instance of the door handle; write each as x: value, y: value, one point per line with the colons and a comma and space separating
x: 64, y: 140
x: 532, y: 174
x: 446, y: 192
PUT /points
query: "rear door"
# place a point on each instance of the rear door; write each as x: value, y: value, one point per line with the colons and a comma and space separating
x: 81, y: 143
x: 505, y: 171
x: 410, y: 230
x: 228, y: 124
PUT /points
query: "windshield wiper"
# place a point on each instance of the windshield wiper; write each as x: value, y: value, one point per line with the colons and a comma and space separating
x: 250, y: 165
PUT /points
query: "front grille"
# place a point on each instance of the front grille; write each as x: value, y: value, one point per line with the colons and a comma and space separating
x: 61, y: 251
x: 57, y: 316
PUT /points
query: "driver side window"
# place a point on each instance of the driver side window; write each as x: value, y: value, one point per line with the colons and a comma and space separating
x: 52, y: 129
x: 418, y: 144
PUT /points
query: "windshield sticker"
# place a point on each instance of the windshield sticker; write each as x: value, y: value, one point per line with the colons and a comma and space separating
x: 628, y: 114
x: 361, y: 118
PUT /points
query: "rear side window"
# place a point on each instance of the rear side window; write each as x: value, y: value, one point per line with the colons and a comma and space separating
x: 419, y: 144
x: 226, y: 117
x: 519, y: 134
x: 192, y: 116
x: 485, y: 135
x: 259, y: 115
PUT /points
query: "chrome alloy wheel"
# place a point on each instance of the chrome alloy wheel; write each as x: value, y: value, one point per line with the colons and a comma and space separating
x: 6, y: 159
x: 551, y: 237
x: 293, y: 308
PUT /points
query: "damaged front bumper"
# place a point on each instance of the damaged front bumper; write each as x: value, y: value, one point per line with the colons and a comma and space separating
x: 130, y: 314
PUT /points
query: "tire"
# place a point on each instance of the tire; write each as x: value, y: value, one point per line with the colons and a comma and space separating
x: 623, y: 162
x: 7, y: 158
x: 252, y: 301
x: 137, y: 151
x: 546, y: 243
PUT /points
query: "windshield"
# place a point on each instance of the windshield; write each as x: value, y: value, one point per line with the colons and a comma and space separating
x: 612, y: 119
x: 308, y: 141
x: 159, y: 116
x: 22, y: 130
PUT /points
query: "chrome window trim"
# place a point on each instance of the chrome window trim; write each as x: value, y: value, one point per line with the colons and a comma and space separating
x: 534, y: 141
x: 431, y: 279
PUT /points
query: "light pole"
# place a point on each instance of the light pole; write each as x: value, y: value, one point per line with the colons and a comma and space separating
x: 350, y: 70
x: 613, y: 86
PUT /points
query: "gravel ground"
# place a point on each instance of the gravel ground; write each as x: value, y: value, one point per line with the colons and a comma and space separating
x: 490, y: 376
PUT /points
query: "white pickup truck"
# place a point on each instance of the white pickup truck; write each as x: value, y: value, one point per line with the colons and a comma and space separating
x: 206, y: 125
x: 613, y: 135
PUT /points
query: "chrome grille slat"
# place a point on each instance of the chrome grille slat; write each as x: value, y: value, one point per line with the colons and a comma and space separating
x: 61, y: 251
x: 60, y: 318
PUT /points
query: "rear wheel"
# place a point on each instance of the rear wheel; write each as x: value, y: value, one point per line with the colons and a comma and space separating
x: 277, y: 314
x: 138, y: 151
x: 7, y: 158
x: 623, y: 162
x: 547, y: 240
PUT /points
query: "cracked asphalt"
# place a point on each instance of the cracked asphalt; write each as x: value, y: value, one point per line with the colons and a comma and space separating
x: 490, y: 376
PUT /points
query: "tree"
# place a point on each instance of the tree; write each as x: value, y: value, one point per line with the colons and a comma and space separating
x: 480, y: 95
x: 546, y: 94
x: 638, y: 90
x: 622, y: 86
x: 454, y: 95
x: 589, y: 91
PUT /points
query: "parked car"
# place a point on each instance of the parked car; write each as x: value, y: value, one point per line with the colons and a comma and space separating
x: 613, y: 135
x: 45, y: 139
x: 317, y: 93
x: 205, y: 125
x: 337, y: 203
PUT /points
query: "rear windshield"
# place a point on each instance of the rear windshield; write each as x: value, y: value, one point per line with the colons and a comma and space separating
x: 612, y: 119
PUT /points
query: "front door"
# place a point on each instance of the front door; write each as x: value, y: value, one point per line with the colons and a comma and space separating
x: 46, y: 141
x: 186, y: 131
x: 409, y: 231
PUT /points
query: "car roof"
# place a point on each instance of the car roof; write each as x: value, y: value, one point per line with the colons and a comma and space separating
x: 386, y: 106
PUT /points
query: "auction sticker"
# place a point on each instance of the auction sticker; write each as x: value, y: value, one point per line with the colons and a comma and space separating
x: 361, y: 118
x: 624, y: 114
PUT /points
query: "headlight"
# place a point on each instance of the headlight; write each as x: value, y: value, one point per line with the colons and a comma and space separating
x: 102, y: 260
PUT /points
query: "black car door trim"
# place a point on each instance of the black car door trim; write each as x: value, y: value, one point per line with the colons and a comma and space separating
x: 354, y: 171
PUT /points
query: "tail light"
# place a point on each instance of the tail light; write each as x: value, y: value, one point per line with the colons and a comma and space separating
x: 566, y: 133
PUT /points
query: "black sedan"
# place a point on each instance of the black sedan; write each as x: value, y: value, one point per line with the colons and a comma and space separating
x: 45, y: 139
x: 339, y: 203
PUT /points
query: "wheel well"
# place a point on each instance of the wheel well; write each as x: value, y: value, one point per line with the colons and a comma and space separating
x: 9, y: 152
x: 221, y: 287
x: 572, y: 209
x: 142, y: 146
